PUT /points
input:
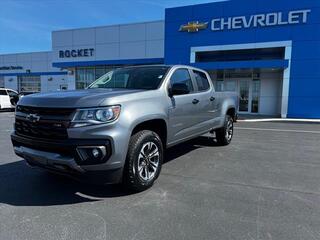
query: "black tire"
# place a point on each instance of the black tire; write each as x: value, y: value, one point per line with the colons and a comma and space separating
x: 224, y: 135
x: 133, y: 178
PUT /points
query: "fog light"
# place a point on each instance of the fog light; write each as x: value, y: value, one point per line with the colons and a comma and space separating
x: 96, y: 152
x: 90, y: 155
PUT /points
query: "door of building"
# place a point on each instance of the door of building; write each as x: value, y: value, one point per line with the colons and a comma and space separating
x: 245, y: 83
x: 244, y: 95
x: 249, y: 95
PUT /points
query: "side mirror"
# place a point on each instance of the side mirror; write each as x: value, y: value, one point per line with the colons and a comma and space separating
x: 178, y: 89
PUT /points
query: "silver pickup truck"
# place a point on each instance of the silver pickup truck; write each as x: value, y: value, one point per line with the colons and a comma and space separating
x: 117, y: 129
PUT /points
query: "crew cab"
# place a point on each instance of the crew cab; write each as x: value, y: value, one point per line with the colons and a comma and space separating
x: 118, y: 128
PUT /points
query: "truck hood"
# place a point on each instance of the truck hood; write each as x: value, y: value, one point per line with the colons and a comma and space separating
x: 73, y: 99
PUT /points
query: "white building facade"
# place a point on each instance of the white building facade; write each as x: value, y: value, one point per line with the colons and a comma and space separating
x: 31, y: 72
x: 90, y: 52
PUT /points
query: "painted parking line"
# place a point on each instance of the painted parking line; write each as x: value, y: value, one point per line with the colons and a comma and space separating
x: 278, y: 130
x: 88, y: 197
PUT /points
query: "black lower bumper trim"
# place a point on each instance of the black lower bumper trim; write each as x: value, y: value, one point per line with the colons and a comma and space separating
x: 65, y: 147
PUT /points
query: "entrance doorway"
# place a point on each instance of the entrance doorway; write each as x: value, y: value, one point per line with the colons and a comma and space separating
x: 249, y: 95
x: 244, y: 95
x: 246, y: 83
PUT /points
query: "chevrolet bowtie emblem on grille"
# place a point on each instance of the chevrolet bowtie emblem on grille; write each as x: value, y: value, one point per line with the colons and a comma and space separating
x: 193, y: 27
x: 33, y: 118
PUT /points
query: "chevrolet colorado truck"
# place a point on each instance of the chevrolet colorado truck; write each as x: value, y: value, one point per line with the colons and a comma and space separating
x: 117, y: 129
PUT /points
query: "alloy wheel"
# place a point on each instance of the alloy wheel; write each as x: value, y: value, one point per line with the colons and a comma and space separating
x: 148, y: 161
x: 229, y: 130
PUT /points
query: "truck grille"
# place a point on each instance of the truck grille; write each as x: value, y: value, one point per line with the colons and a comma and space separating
x: 52, y: 123
x: 62, y: 112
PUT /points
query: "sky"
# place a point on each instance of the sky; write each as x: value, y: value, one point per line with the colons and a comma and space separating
x: 26, y: 25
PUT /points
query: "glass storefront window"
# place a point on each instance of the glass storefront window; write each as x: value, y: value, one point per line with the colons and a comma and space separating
x: 220, y: 75
x: 1, y: 82
x: 219, y: 86
x: 87, y: 75
x: 84, y: 77
x: 230, y: 86
x: 29, y: 84
x: 100, y: 71
x: 90, y: 75
x: 255, y: 96
x: 241, y: 55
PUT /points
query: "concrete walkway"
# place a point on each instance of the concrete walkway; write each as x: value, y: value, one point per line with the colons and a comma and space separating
x: 260, y: 118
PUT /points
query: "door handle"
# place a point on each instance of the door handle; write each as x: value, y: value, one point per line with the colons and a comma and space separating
x: 212, y: 99
x: 195, y: 101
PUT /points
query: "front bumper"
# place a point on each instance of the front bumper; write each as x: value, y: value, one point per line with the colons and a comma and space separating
x: 61, y: 156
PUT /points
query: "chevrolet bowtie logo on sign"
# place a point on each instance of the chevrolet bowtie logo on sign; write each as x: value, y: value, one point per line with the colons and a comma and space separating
x: 193, y: 27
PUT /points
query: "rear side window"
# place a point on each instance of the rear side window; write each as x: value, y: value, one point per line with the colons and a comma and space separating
x: 182, y: 76
x: 201, y: 80
x: 3, y: 93
x: 12, y: 94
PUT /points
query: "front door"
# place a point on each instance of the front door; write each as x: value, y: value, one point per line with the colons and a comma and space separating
x: 244, y: 95
x: 182, y: 110
x: 249, y: 95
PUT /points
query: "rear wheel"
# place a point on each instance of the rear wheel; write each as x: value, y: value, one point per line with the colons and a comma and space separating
x: 224, y: 135
x: 144, y: 160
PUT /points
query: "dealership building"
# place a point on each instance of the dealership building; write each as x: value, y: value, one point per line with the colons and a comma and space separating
x: 266, y: 51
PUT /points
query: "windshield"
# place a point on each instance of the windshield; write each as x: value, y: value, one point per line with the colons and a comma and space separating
x: 132, y: 78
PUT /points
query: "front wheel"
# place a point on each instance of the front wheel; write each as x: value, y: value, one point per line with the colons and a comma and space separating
x: 224, y: 135
x: 144, y: 160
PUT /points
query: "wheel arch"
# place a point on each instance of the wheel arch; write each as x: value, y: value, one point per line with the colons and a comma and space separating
x: 157, y: 125
x: 231, y: 111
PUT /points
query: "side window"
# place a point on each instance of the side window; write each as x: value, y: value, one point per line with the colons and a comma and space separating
x: 182, y: 76
x: 12, y: 94
x: 201, y: 80
x: 3, y: 92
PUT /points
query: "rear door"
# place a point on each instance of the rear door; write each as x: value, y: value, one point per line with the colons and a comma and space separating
x: 4, y: 99
x: 182, y: 117
x: 208, y: 103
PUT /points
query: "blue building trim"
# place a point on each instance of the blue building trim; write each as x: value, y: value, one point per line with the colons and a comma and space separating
x: 34, y: 74
x: 278, y: 64
x: 109, y: 62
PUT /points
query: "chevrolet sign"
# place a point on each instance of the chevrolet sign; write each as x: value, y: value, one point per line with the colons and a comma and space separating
x: 260, y: 20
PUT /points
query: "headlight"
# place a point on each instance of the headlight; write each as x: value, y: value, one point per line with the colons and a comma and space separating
x: 91, y: 116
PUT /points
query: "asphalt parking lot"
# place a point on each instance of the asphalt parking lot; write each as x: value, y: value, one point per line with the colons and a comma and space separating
x: 265, y: 185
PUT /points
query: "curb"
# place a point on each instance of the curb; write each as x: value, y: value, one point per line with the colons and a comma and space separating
x: 280, y: 120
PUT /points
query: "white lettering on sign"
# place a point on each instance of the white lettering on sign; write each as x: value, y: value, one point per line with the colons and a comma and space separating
x: 260, y: 20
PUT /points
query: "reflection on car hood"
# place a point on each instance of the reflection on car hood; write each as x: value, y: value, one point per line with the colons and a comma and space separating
x: 73, y: 99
